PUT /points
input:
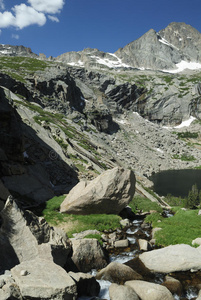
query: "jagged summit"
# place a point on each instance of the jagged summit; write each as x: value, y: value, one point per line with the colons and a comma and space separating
x: 172, y: 49
x: 9, y: 50
x: 164, y: 50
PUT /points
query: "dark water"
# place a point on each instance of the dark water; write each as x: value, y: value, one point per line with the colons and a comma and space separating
x: 176, y: 182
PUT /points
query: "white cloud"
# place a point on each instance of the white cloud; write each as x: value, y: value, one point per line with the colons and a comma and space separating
x: 6, y: 19
x: 34, y: 13
x: 47, y: 6
x: 23, y: 16
x: 53, y: 18
x: 15, y: 36
x: 26, y: 15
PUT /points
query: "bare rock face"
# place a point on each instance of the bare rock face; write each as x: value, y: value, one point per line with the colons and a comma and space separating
x: 109, y: 193
x: 24, y: 237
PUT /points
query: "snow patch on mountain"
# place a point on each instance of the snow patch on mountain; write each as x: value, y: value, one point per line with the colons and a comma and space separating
x: 110, y: 63
x: 184, y: 65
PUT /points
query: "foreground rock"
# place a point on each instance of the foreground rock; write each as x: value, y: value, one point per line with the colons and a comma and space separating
x: 118, y: 273
x: 109, y: 193
x: 42, y: 279
x: 25, y: 237
x: 121, y: 292
x: 86, y: 284
x: 88, y: 255
x: 172, y: 259
x: 149, y: 291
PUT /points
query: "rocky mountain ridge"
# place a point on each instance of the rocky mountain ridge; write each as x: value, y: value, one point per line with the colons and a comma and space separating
x: 72, y: 122
x: 161, y: 50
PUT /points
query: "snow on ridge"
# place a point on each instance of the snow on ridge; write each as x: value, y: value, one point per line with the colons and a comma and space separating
x: 186, y: 123
x: 110, y: 63
x: 182, y: 65
x: 164, y: 41
x: 76, y: 64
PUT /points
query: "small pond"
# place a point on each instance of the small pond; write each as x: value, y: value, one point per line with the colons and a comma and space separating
x: 176, y: 182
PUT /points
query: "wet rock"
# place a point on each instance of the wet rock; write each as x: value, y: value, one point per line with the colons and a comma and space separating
x: 121, y: 292
x: 173, y: 285
x: 118, y: 273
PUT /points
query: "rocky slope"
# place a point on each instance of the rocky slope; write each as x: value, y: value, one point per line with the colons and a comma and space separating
x: 60, y: 122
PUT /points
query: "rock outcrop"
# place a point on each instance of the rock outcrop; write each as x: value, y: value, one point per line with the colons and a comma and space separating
x: 25, y: 237
x: 109, y: 193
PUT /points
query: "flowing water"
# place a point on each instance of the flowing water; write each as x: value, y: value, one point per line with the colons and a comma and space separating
x: 133, y: 233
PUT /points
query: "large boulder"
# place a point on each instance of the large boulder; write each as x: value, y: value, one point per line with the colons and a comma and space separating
x: 108, y: 193
x: 88, y: 254
x: 24, y: 237
x: 122, y: 292
x: 149, y: 291
x: 118, y: 273
x: 173, y: 258
x: 42, y: 279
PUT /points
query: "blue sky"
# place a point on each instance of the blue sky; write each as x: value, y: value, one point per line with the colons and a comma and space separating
x: 53, y: 27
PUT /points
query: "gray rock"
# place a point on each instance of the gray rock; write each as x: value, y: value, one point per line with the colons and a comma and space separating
x: 45, y: 280
x: 88, y: 254
x: 118, y: 273
x: 121, y: 243
x: 173, y: 258
x: 121, y: 292
x: 109, y: 193
x: 196, y: 241
x: 149, y: 291
x: 24, y: 237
